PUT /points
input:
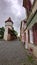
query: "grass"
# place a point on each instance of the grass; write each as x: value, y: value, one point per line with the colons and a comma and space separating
x: 30, y: 58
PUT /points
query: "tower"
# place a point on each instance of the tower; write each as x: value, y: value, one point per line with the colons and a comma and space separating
x: 8, y: 25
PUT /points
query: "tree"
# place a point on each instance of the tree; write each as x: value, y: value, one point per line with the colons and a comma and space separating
x: 14, y: 32
x: 2, y: 32
x: 3, y: 29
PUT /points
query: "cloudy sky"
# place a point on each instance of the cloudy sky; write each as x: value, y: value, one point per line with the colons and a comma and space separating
x: 13, y: 9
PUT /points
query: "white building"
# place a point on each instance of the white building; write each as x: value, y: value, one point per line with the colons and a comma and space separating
x: 8, y: 25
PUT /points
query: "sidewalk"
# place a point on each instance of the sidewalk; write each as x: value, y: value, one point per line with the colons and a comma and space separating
x: 34, y: 48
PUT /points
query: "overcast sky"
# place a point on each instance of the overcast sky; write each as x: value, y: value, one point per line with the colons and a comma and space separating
x: 13, y: 9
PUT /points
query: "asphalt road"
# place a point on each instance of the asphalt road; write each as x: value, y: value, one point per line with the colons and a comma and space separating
x: 12, y: 53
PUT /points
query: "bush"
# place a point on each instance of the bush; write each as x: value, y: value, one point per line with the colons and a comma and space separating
x: 2, y: 32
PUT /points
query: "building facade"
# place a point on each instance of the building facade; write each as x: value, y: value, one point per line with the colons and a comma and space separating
x: 22, y: 28
x: 31, y: 27
x: 27, y: 4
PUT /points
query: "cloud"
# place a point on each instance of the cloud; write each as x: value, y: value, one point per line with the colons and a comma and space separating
x: 14, y: 9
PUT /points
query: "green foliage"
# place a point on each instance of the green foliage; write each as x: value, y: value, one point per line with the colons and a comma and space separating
x: 30, y: 58
x: 14, y: 32
x: 2, y: 32
x: 3, y: 29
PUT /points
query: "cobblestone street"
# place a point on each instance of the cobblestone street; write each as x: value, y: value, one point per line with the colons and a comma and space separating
x: 13, y: 53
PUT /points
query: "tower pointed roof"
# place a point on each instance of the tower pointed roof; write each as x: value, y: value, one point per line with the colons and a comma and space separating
x: 9, y: 20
